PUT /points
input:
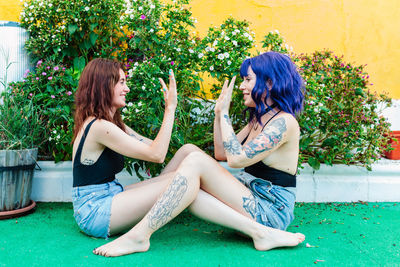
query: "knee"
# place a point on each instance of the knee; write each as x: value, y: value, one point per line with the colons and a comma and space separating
x: 193, y: 158
x: 187, y: 149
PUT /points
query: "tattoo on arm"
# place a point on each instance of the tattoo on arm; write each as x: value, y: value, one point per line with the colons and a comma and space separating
x: 87, y: 162
x: 249, y: 205
x: 267, y: 140
x: 138, y: 138
x: 232, y: 145
x: 161, y: 212
x: 227, y: 119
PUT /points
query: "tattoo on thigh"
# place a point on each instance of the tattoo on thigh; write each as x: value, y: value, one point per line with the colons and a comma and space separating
x: 169, y: 200
x: 249, y: 204
x: 232, y: 145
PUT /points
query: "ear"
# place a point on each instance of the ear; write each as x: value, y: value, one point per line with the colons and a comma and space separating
x: 269, y: 84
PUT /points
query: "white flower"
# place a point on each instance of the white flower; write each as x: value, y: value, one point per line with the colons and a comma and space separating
x: 139, y: 104
x: 31, y: 7
x: 222, y: 33
x: 201, y: 55
x: 62, y: 27
x: 25, y: 5
x: 215, y: 43
x: 124, y: 110
x: 50, y: 5
x: 193, y: 41
x: 76, y: 19
x: 136, y: 64
x: 58, y: 137
x: 151, y: 30
x: 152, y: 6
x: 41, y: 4
x: 234, y: 43
x: 140, y: 8
x: 245, y: 34
x: 136, y: 110
x: 234, y: 33
x: 191, y: 51
x: 178, y: 49
x: 212, y: 49
x: 195, y: 21
x: 130, y: 104
x: 54, y: 131
x: 229, y: 62
x: 226, y: 54
x: 87, y: 8
x: 208, y: 49
x: 277, y: 31
x: 212, y: 68
x: 131, y: 16
x: 227, y: 38
x: 250, y: 38
x: 221, y: 56
x: 143, y: 87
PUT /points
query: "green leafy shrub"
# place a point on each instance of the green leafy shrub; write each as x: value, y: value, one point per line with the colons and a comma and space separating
x: 341, y: 122
x: 50, y: 88
x: 72, y: 31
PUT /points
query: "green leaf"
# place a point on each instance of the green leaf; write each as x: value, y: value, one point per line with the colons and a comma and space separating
x: 79, y: 63
x: 93, y: 25
x: 72, y: 28
x: 314, y: 163
x: 93, y: 37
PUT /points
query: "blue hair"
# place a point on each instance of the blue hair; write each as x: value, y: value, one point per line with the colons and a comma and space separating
x: 276, y: 70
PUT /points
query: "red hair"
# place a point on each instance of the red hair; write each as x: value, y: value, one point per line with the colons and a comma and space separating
x: 95, y: 93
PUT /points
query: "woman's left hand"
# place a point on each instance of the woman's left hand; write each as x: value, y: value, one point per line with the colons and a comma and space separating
x: 224, y: 99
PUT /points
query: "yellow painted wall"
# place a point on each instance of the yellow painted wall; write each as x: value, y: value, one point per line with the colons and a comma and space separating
x: 364, y: 31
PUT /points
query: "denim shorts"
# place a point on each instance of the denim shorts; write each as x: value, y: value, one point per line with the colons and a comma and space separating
x: 274, y: 204
x: 92, y: 207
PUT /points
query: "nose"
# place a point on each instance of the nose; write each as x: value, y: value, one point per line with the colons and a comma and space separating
x: 241, y: 87
x: 127, y: 88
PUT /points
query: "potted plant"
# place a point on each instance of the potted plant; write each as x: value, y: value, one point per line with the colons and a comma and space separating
x: 19, y: 125
x: 395, y: 144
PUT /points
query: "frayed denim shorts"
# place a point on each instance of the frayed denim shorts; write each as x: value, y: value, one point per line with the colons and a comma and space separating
x: 92, y: 207
x: 274, y: 204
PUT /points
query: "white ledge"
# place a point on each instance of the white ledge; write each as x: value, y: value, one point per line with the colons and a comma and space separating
x: 338, y: 183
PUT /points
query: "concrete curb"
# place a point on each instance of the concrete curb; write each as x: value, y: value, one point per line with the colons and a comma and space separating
x: 339, y: 183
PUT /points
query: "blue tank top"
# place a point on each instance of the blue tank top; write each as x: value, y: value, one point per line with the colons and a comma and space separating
x: 102, y: 171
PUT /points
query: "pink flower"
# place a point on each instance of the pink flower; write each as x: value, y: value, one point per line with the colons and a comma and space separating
x: 44, y: 73
x: 142, y: 17
x: 39, y: 63
x: 69, y: 93
x: 63, y: 68
x: 48, y: 67
x: 56, y: 68
x: 30, y: 94
x: 50, y: 78
x: 37, y: 78
x: 52, y: 96
x: 172, y: 63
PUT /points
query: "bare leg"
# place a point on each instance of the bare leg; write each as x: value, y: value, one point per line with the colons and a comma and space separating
x: 195, y: 169
x: 179, y: 156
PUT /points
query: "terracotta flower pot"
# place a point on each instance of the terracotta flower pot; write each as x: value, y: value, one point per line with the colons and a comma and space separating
x: 394, y: 154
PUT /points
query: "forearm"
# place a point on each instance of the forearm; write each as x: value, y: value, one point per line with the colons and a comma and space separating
x: 161, y: 143
x: 231, y: 145
x: 218, y: 147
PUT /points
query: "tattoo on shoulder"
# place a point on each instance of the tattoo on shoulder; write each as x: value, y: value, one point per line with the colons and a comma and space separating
x: 267, y: 139
x: 249, y: 205
x: 88, y: 162
x: 232, y: 145
x: 169, y: 200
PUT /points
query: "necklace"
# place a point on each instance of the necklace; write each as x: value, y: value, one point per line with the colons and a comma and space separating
x: 255, y: 124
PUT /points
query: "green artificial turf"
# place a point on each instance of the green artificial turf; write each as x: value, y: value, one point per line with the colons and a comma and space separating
x: 338, y: 234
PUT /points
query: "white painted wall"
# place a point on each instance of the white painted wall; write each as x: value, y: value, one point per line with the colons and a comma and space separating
x: 339, y: 183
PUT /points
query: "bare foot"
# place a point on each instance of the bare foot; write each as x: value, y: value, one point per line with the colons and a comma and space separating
x: 272, y: 238
x: 123, y: 245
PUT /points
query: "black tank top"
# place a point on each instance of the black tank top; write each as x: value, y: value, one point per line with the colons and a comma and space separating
x: 276, y: 177
x: 102, y: 171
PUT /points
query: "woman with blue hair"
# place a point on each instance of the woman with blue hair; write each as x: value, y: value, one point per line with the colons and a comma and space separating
x: 259, y: 201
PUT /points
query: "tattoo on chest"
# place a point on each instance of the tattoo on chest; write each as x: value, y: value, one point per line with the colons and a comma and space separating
x: 88, y: 162
x: 249, y: 205
x: 267, y: 139
x: 169, y: 200
x: 232, y: 145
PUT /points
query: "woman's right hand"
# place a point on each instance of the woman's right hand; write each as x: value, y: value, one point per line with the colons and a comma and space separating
x: 170, y: 95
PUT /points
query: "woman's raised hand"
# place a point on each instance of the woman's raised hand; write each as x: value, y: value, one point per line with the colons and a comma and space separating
x: 224, y: 99
x: 170, y: 95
